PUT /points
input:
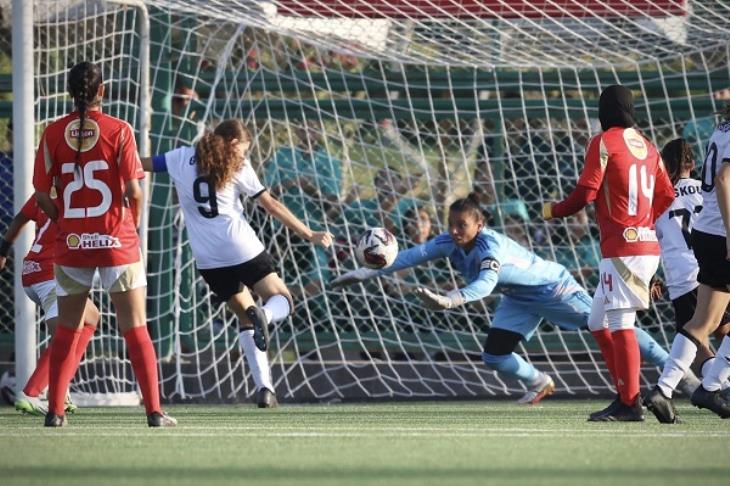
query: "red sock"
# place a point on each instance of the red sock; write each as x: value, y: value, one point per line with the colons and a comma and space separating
x: 87, y: 332
x: 144, y: 362
x: 628, y: 364
x: 605, y: 344
x: 62, y: 366
x: 39, y: 379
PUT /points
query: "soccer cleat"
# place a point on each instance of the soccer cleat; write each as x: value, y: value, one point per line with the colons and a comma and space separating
x: 267, y: 399
x: 611, y: 408
x: 260, y: 327
x: 30, y: 405
x: 689, y: 383
x: 160, y: 419
x: 661, y: 406
x: 711, y: 400
x: 69, y: 406
x: 53, y: 420
x: 623, y: 413
x: 544, y: 387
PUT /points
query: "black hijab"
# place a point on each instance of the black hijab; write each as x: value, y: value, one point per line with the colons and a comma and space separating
x: 616, y: 107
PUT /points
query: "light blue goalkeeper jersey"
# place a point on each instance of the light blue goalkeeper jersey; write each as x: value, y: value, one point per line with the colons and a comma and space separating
x: 494, y: 261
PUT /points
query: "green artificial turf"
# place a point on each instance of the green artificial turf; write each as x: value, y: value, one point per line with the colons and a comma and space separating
x: 440, y: 443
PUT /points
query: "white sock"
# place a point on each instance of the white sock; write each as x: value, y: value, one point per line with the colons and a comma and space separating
x: 258, y: 361
x: 719, y: 372
x: 276, y: 308
x: 680, y: 358
x: 706, y: 366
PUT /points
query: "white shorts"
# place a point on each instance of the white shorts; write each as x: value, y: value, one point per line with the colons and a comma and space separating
x: 120, y: 278
x: 624, y: 282
x: 43, y: 294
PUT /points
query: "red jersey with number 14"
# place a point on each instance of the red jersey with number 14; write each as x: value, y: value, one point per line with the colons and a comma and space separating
x: 95, y: 226
x: 633, y: 190
x: 38, y: 263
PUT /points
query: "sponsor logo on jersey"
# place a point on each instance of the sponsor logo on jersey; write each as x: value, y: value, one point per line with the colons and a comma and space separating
x: 489, y: 264
x: 89, y: 134
x: 632, y: 234
x: 635, y: 144
x: 91, y: 241
x: 29, y: 266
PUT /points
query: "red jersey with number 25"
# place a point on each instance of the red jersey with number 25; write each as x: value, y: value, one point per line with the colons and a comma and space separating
x: 633, y: 190
x: 95, y: 226
x: 38, y: 263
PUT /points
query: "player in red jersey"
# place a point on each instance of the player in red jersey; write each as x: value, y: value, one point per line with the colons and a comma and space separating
x: 92, y: 160
x: 40, y: 287
x: 625, y: 176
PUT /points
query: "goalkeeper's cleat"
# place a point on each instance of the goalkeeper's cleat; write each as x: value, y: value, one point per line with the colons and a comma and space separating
x: 542, y: 388
x: 267, y: 399
x: 30, y: 405
x: 689, y: 383
x: 160, y: 419
x: 623, y: 413
x: 260, y: 327
x: 611, y: 408
x: 661, y: 406
x: 53, y: 420
x: 69, y: 405
x: 711, y: 400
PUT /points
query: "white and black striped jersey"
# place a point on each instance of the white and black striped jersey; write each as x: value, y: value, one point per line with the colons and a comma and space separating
x: 718, y: 153
x: 219, y: 233
x: 673, y: 229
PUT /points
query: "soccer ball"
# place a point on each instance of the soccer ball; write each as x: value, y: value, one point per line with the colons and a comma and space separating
x: 376, y: 248
x: 7, y: 387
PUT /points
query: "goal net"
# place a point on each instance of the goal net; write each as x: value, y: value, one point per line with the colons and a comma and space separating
x: 381, y: 113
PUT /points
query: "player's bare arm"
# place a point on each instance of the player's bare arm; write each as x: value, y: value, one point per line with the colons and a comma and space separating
x: 279, y: 211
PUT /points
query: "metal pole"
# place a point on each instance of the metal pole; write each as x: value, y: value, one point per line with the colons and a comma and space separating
x: 23, y: 156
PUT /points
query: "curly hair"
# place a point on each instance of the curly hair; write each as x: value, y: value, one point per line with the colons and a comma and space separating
x: 84, y: 80
x: 216, y: 157
x: 678, y: 157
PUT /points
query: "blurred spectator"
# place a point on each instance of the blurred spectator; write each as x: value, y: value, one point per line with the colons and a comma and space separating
x: 181, y: 101
x: 698, y: 131
x: 7, y: 211
x: 577, y: 250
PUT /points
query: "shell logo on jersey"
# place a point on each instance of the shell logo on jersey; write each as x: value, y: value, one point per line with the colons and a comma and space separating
x: 89, y: 136
x: 91, y: 241
x: 632, y: 234
x: 29, y: 266
x: 635, y: 144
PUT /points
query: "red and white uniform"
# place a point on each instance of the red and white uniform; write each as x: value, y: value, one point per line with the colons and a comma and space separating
x: 38, y: 263
x: 95, y: 226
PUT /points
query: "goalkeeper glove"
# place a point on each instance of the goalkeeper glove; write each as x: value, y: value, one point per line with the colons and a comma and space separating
x: 353, y: 277
x: 547, y: 210
x: 433, y: 301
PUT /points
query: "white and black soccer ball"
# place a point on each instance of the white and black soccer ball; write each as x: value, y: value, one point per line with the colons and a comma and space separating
x: 7, y: 386
x: 377, y: 248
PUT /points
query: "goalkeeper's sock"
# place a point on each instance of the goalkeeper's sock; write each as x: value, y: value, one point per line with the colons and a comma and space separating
x: 512, y: 365
x: 605, y: 344
x: 258, y: 361
x: 719, y: 371
x: 651, y: 351
x: 277, y: 308
x: 684, y: 350
x: 61, y: 367
x: 628, y: 364
x: 39, y: 379
x: 144, y: 362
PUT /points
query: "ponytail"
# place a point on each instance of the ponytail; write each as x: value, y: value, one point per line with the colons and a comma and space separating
x: 677, y: 156
x: 84, y: 80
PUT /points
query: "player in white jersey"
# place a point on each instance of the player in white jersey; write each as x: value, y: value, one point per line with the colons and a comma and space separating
x: 673, y: 229
x: 210, y: 179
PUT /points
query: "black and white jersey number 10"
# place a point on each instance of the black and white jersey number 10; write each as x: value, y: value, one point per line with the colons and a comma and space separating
x: 685, y: 217
x: 204, y: 193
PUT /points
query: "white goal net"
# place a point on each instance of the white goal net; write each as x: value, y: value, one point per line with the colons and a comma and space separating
x: 381, y: 113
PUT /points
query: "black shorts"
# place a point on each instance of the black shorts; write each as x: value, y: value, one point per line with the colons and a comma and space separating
x: 225, y: 282
x: 684, y: 309
x: 710, y: 252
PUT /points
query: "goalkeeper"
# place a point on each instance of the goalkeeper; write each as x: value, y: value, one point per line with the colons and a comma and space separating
x: 532, y: 289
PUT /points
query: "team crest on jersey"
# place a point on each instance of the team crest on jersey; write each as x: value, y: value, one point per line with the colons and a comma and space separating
x: 89, y: 135
x: 29, y: 266
x: 632, y: 234
x: 91, y: 241
x: 635, y: 143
